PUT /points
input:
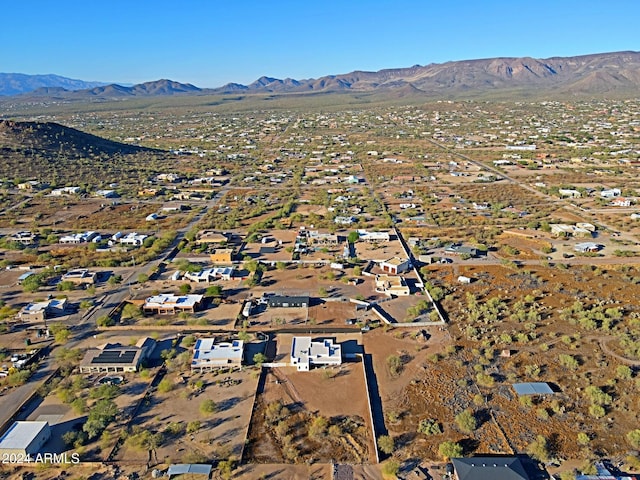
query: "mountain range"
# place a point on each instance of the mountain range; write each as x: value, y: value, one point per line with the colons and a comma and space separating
x: 17, y: 83
x: 588, y: 75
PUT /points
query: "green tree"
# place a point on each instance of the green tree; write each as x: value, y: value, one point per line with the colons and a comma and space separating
x: 60, y: 332
x: 66, y: 286
x: 538, y: 449
x: 583, y: 438
x: 391, y: 468
x: 185, y: 288
x: 208, y: 406
x: 32, y: 283
x: 143, y: 278
x: 466, y: 421
x: 259, y: 358
x: 429, y: 426
x: 105, y: 321
x: 131, y: 311
x: 318, y: 427
x: 386, y: 444
x: 633, y: 437
x: 193, y: 426
x: 623, y: 372
x: 394, y: 362
x: 448, y: 450
x: 165, y: 385
x: 353, y: 237
x: 214, y: 291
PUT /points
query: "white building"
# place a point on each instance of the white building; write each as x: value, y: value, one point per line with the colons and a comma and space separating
x: 76, y: 238
x: 306, y: 352
x: 344, y: 220
x: 392, y: 286
x: 24, y: 438
x: 210, y: 274
x: 209, y: 355
x: 372, y: 237
x: 395, y: 265
x: 610, y: 193
x: 135, y: 239
x: 169, y: 304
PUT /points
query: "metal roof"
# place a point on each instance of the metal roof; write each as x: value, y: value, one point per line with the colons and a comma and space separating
x: 489, y: 468
x: 192, y: 468
x: 533, y: 388
x: 21, y: 434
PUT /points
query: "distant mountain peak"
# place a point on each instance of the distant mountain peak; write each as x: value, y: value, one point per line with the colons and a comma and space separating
x: 593, y: 74
x: 17, y: 83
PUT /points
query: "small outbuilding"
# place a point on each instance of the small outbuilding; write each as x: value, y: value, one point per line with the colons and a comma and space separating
x: 189, y: 469
x: 24, y: 438
x: 288, y: 301
x: 532, y: 388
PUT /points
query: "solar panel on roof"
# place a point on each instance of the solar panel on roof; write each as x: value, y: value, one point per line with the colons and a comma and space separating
x: 115, y: 356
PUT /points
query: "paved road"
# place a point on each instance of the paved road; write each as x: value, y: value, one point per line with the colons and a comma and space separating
x: 83, y: 325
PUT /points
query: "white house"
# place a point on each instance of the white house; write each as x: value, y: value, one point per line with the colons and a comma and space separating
x: 392, y: 286
x: 209, y: 355
x: 76, y: 238
x: 395, y: 265
x: 366, y: 236
x: 134, y: 239
x: 621, y: 202
x: 210, y: 274
x: 344, y: 220
x: 169, y: 304
x: 567, y: 192
x: 610, y: 193
x: 306, y: 353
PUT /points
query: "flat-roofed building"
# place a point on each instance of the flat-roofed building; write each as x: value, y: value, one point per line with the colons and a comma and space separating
x: 80, y: 276
x: 392, y: 285
x: 306, y: 353
x: 24, y: 438
x: 395, y: 265
x: 456, y: 249
x: 77, y: 238
x: 210, y: 236
x: 318, y: 238
x: 221, y: 255
x: 116, y: 358
x: 373, y: 237
x: 39, y: 311
x: 169, y: 304
x: 25, y: 238
x: 210, y: 274
x: 288, y: 301
x: 209, y: 355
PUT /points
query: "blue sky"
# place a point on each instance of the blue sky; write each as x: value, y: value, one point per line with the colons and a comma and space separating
x: 213, y: 42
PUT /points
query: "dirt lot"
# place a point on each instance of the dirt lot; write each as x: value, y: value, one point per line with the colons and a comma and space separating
x: 219, y: 435
x: 440, y: 387
x: 341, y: 400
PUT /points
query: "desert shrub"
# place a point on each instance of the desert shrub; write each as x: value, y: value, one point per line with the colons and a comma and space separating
x: 386, y: 444
x: 449, y: 450
x: 538, y: 449
x: 208, y: 406
x: 633, y: 437
x: 466, y: 421
x: 165, y: 385
x: 429, y: 426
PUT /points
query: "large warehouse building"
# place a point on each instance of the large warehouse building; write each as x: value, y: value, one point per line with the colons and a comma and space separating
x: 24, y: 438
